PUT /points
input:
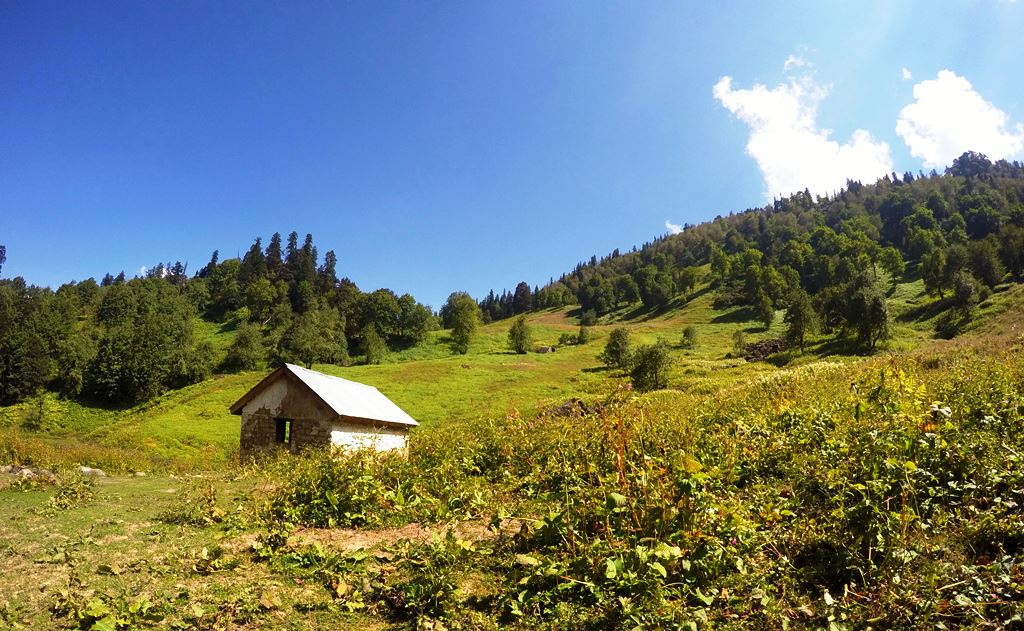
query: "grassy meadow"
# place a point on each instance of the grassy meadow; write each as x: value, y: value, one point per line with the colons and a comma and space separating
x: 823, y: 490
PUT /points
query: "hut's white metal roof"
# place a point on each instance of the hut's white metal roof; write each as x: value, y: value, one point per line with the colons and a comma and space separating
x: 349, y: 398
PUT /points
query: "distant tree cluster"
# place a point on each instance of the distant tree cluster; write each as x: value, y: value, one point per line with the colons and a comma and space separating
x: 599, y: 289
x: 829, y: 258
x: 304, y: 312
x: 122, y: 344
x: 123, y: 341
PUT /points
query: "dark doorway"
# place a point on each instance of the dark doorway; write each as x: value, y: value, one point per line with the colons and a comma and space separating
x: 283, y: 431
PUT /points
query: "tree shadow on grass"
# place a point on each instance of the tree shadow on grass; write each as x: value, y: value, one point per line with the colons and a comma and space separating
x: 646, y: 314
x: 926, y: 311
x: 401, y: 344
x: 837, y: 346
x: 227, y: 327
x: 743, y: 314
x: 598, y: 369
x: 89, y: 401
x: 706, y: 289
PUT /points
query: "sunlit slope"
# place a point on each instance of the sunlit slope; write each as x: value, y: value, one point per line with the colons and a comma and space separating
x: 436, y: 386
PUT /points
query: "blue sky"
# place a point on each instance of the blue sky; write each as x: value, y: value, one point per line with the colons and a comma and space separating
x: 446, y: 146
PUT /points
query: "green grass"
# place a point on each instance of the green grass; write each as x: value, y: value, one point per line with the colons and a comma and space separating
x: 218, y: 335
x: 115, y: 550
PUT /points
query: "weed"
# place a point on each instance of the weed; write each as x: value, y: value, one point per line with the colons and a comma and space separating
x: 197, y: 506
x: 72, y: 491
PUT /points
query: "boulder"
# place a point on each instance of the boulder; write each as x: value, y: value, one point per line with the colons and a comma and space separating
x: 89, y: 471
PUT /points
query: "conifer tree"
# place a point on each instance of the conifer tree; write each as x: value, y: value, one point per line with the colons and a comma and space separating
x: 273, y: 257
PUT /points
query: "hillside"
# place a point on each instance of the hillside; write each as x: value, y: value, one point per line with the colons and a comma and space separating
x: 834, y: 442
x: 839, y: 491
x: 191, y: 426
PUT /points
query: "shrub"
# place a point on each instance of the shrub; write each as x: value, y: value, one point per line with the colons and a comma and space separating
x: 33, y: 415
x: 650, y: 367
x: 584, y: 335
x: 247, y: 351
x: 617, y: 349
x: 520, y: 337
x: 690, y: 337
x: 327, y: 489
x: 588, y: 318
x: 374, y: 346
x: 739, y: 343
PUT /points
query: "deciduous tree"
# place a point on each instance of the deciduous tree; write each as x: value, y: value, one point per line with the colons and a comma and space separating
x: 617, y: 351
x: 650, y: 367
x: 520, y: 336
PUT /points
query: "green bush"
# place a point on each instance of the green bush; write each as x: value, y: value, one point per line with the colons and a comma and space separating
x: 690, y: 337
x: 373, y: 346
x: 520, y: 336
x: 650, y: 367
x: 617, y: 352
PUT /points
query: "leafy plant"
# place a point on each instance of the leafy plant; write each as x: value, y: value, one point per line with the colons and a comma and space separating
x: 72, y: 491
x: 197, y: 506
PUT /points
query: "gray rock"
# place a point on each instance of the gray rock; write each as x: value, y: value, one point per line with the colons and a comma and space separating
x: 9, y: 468
x: 140, y: 474
x: 98, y: 473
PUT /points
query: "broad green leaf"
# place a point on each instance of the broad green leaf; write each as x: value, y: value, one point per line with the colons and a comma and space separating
x: 108, y: 623
x: 525, y: 559
x: 707, y: 600
x: 615, y: 500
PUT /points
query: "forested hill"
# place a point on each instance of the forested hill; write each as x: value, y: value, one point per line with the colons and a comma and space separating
x: 827, y: 261
x: 962, y: 232
x: 121, y: 341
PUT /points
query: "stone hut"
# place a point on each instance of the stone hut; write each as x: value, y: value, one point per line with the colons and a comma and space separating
x: 294, y: 407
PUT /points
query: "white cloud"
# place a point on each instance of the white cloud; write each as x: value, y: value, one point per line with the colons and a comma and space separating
x: 142, y: 270
x: 948, y: 117
x: 795, y: 61
x: 790, y: 149
x: 907, y: 75
x: 673, y: 228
